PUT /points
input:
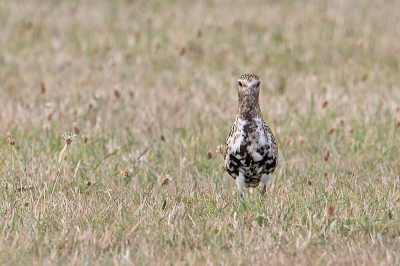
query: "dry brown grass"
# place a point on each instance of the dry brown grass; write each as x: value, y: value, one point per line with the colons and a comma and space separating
x: 148, y: 88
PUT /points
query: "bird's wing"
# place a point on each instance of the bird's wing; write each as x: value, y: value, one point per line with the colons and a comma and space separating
x: 274, y: 147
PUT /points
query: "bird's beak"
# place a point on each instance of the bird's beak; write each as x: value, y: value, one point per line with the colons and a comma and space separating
x: 249, y: 91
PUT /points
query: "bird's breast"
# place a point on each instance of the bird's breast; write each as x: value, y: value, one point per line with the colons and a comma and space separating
x: 249, y: 140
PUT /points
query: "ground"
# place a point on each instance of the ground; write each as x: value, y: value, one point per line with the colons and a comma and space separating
x: 151, y: 88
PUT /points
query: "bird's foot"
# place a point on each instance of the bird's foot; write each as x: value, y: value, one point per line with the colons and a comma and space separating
x: 264, y: 189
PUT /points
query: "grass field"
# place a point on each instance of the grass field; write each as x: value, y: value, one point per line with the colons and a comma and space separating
x: 151, y: 88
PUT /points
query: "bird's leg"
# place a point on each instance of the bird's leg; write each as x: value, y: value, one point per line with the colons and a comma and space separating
x: 265, y: 179
x: 240, y: 184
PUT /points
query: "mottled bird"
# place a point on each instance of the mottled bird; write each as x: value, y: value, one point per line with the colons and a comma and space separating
x: 251, y: 153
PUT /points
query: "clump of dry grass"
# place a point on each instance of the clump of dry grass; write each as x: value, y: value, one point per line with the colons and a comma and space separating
x: 152, y: 88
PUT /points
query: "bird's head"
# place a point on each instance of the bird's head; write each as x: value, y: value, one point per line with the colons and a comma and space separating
x: 248, y: 87
x: 248, y: 90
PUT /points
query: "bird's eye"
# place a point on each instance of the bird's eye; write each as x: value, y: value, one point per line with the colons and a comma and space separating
x: 258, y: 84
x: 240, y: 84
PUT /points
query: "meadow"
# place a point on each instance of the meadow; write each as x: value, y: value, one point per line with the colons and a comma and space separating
x: 111, y: 113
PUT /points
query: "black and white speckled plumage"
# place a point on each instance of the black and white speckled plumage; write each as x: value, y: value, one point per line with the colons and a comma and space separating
x: 251, y: 153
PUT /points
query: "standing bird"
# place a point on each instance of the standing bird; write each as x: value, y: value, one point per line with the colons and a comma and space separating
x: 251, y: 153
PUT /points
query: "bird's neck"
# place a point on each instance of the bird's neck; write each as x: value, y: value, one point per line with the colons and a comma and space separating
x: 248, y: 108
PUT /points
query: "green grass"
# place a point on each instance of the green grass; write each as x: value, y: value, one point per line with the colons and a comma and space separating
x: 151, y: 85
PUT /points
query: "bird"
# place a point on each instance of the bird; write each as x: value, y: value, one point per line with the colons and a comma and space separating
x: 251, y: 152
